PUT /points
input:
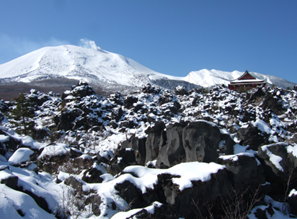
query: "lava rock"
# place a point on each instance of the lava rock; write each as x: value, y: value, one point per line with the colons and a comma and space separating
x: 92, y: 175
x: 95, y: 201
x: 125, y: 157
x: 155, y: 140
x: 173, y: 152
x: 139, y: 147
x: 245, y: 170
x: 252, y: 136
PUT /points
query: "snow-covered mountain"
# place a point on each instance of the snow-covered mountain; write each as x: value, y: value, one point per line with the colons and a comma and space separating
x: 92, y: 65
x: 103, y: 68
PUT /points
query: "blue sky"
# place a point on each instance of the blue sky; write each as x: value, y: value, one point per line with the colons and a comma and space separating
x: 169, y: 36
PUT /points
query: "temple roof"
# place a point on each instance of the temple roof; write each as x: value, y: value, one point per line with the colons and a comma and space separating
x: 247, y: 78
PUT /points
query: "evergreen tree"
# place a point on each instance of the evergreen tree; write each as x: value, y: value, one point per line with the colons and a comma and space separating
x: 22, y: 114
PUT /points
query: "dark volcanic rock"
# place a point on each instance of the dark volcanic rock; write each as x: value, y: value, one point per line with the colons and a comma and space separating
x: 190, y: 201
x: 125, y: 157
x: 138, y: 145
x: 131, y: 194
x: 277, y: 163
x: 67, y: 118
x: 129, y: 101
x: 196, y: 141
x: 10, y: 181
x: 95, y: 201
x: 155, y: 140
x: 173, y: 152
x: 292, y: 201
x: 92, y: 175
x: 245, y: 170
x: 252, y: 136
x: 274, y: 104
x: 180, y: 91
x: 201, y: 141
x: 74, y: 183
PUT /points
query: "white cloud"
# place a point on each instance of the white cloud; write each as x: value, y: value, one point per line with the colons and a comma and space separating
x: 86, y: 43
x: 12, y: 47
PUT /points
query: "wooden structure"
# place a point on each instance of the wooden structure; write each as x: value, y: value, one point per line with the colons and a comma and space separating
x: 246, y: 82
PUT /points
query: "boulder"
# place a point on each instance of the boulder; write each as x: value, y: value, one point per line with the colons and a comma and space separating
x: 252, y: 136
x: 131, y: 194
x: 180, y: 90
x: 277, y: 166
x: 92, y: 175
x: 74, y: 183
x: 67, y: 118
x: 117, y: 113
x: 129, y: 101
x: 245, y: 169
x: 8, y: 179
x: 272, y: 103
x: 123, y: 158
x: 149, y: 89
x: 95, y: 202
x: 194, y: 141
x: 201, y: 141
x: 192, y: 202
x: 82, y: 89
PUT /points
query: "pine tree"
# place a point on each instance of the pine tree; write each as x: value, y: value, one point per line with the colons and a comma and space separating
x: 22, y: 114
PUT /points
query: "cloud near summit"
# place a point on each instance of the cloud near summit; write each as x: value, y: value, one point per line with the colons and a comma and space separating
x: 86, y: 43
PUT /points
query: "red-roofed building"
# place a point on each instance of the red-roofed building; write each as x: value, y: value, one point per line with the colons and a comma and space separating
x: 246, y: 82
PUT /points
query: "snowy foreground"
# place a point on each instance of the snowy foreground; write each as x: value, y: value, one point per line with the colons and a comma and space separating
x: 151, y: 154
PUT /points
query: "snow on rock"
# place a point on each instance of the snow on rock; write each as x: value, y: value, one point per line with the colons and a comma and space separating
x: 293, y: 192
x: 20, y: 155
x: 4, y: 138
x: 150, y: 209
x: 54, y: 150
x: 182, y: 174
x: 234, y: 157
x: 292, y: 149
x: 14, y: 204
x: 262, y: 126
x: 274, y: 159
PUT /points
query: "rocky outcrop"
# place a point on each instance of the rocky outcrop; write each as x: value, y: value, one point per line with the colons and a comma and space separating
x: 252, y: 137
x: 278, y: 164
x: 138, y: 146
x: 173, y: 152
x: 246, y: 171
x: 155, y: 140
x: 195, y: 141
